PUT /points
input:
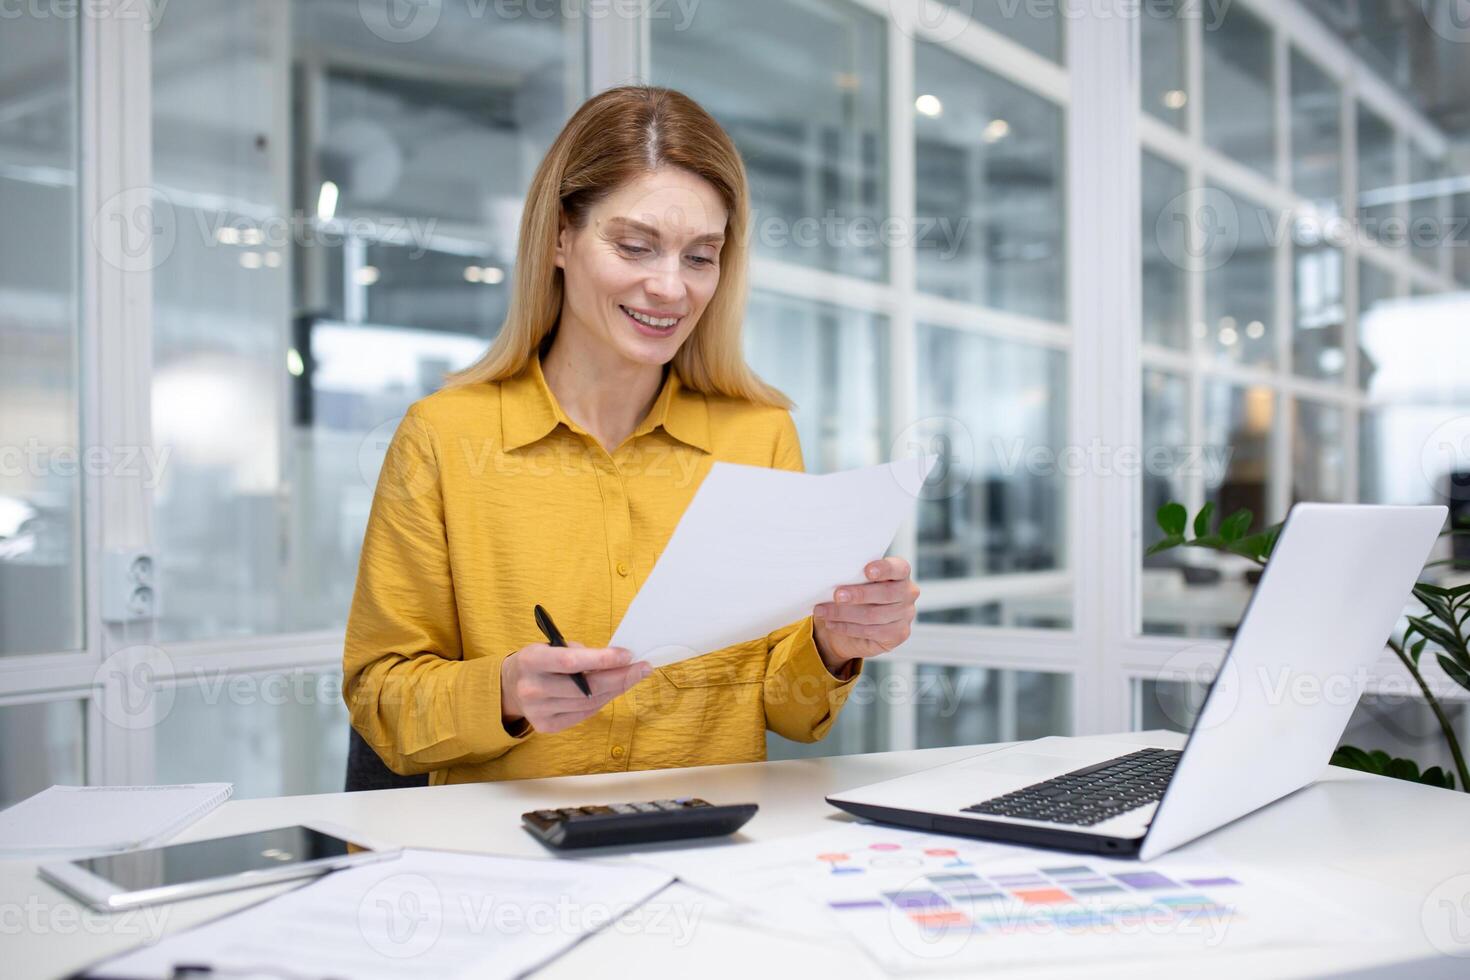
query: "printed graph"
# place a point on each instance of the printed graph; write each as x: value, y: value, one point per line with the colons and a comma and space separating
x: 916, y: 899
x: 1076, y: 896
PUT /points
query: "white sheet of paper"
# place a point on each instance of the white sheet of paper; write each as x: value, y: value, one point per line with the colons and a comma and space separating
x: 425, y: 914
x: 758, y: 547
x: 66, y: 822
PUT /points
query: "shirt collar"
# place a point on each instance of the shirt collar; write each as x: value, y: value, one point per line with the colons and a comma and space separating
x: 529, y: 410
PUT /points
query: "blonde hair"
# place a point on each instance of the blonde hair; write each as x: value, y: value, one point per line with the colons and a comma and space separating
x: 614, y: 137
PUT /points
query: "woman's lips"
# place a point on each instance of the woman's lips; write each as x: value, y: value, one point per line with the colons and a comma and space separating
x: 645, y: 329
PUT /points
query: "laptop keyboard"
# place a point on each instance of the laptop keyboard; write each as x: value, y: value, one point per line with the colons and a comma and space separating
x: 1090, y: 796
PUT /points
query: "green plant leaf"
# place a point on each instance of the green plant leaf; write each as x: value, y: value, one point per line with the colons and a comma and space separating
x: 1235, y: 548
x: 1415, y: 651
x: 1402, y: 769
x: 1456, y: 673
x: 1172, y: 518
x: 1380, y: 763
x: 1202, y: 520
x: 1435, y: 632
x: 1460, y: 656
x: 1434, y: 599
x: 1435, y: 776
x: 1233, y: 528
x: 1251, y: 546
x: 1273, y: 534
x: 1350, y: 757
x: 1172, y: 541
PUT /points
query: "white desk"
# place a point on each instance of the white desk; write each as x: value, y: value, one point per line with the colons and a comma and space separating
x: 1404, y: 838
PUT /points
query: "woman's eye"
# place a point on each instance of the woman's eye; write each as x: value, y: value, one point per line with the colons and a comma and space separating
x: 632, y: 249
x: 701, y: 260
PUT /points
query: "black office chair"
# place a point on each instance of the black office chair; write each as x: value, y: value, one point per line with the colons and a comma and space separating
x: 366, y: 770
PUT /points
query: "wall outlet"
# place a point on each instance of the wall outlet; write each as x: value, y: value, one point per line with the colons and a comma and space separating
x: 129, y: 586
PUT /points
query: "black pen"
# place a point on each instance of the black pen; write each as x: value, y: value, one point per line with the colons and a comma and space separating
x: 554, y: 637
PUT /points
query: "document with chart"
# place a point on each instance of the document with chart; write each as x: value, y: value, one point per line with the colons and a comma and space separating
x: 921, y: 902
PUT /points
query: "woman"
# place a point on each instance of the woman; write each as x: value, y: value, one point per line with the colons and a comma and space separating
x: 554, y: 470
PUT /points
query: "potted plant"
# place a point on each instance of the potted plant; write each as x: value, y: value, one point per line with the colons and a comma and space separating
x: 1442, y: 628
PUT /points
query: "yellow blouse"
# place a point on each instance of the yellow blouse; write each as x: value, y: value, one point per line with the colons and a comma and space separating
x: 491, y: 500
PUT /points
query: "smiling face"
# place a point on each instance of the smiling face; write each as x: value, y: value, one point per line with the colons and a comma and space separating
x: 641, y: 271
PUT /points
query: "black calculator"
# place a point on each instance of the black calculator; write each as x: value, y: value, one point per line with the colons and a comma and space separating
x: 635, y: 823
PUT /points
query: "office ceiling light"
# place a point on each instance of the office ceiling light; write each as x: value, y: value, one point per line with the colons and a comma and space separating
x: 1228, y: 336
x: 1255, y: 330
x: 929, y: 105
x: 250, y: 260
x: 366, y: 276
x: 294, y: 364
x: 488, y: 274
x: 326, y: 201
x: 227, y: 235
x: 1175, y: 98
x: 995, y: 131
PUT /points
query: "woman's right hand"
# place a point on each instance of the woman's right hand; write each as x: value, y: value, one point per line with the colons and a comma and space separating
x: 536, y: 683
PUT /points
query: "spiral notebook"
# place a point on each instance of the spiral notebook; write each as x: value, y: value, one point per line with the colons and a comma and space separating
x: 77, y: 821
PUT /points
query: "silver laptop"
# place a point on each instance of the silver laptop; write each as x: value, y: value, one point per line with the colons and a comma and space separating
x: 1335, y: 585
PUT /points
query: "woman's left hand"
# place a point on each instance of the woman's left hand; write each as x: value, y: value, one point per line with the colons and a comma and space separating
x: 867, y: 619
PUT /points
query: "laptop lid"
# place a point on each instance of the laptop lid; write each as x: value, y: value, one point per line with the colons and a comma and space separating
x: 1318, y: 620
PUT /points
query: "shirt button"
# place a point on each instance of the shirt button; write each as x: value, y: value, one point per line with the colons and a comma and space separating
x: 617, y: 751
x: 622, y: 568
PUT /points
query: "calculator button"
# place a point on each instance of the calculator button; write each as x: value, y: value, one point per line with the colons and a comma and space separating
x: 667, y: 805
x: 624, y: 808
x: 645, y: 807
x: 546, y: 815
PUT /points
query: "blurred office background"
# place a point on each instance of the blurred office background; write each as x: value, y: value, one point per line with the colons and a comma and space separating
x: 241, y: 236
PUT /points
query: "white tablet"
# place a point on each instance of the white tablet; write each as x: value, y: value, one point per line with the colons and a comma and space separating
x: 175, y: 871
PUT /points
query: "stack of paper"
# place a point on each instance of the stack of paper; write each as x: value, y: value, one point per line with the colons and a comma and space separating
x: 427, y: 914
x: 76, y: 821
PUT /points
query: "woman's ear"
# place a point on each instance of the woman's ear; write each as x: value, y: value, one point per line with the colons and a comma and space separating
x: 563, y: 240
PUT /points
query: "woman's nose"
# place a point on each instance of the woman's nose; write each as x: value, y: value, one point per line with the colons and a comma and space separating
x: 665, y: 280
